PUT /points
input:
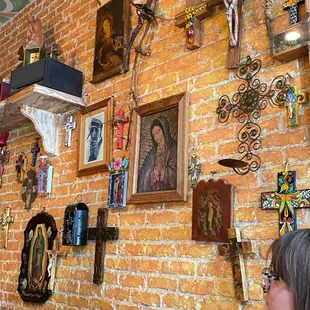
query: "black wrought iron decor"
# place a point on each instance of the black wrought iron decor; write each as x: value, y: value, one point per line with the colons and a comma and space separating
x: 246, y: 105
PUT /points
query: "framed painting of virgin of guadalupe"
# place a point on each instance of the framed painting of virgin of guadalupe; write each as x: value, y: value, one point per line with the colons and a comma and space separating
x: 159, y: 151
x: 34, y: 278
x: 112, y: 33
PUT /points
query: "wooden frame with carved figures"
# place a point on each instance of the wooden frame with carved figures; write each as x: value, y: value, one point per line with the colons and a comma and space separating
x: 112, y: 33
x: 159, y: 140
x: 95, y: 138
x: 212, y: 210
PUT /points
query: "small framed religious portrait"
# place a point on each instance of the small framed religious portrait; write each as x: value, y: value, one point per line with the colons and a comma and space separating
x: 95, y: 136
x: 118, y: 183
x: 212, y: 211
x: 112, y: 33
x: 159, y: 151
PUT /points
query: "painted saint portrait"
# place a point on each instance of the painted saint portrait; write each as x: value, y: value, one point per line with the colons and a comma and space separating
x: 158, y: 159
x: 110, y: 37
x: 211, y: 210
x: 94, y: 138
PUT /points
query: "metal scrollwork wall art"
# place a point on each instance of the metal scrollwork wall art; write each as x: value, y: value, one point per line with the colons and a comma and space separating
x: 246, y: 105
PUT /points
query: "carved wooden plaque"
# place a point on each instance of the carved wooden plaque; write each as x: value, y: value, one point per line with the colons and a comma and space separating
x: 212, y: 210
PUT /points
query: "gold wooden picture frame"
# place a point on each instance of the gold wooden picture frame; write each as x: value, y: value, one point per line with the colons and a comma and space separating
x: 95, y: 138
x: 159, y: 155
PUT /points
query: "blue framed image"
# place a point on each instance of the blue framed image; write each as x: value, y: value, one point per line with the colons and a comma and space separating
x: 118, y: 190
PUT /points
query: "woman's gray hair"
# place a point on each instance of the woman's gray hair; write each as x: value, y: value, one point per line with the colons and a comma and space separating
x: 291, y: 262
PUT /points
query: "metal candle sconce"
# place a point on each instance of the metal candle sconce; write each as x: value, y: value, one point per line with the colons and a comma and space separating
x: 246, y: 105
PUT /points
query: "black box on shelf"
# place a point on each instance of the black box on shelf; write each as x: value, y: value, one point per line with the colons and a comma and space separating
x: 50, y: 73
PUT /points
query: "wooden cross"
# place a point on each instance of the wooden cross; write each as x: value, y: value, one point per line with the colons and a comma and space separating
x: 101, y: 234
x: 6, y: 220
x: 35, y: 150
x: 52, y: 263
x: 196, y: 10
x: 234, y: 18
x: 119, y: 121
x: 286, y: 200
x: 235, y: 250
x: 68, y: 127
x: 293, y: 100
x: 292, y: 6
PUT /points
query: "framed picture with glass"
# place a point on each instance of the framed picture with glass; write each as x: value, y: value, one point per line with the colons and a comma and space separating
x: 159, y: 154
x: 95, y: 136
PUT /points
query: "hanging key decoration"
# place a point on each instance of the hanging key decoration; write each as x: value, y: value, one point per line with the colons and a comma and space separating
x: 21, y: 167
x: 45, y: 175
x: 35, y: 150
x: 68, y: 127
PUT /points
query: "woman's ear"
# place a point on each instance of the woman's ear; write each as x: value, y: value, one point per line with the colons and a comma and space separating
x: 279, y: 297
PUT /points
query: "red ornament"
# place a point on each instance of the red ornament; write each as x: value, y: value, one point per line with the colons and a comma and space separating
x: 3, y: 138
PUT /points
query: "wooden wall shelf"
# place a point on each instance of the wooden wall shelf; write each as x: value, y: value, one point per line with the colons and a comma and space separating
x: 45, y: 107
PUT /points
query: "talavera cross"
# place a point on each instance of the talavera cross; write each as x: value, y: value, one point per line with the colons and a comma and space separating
x: 292, y: 6
x: 68, y: 127
x: 235, y: 250
x: 293, y: 100
x: 287, y: 199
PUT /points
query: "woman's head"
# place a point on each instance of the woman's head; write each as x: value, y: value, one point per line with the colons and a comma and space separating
x: 157, y: 132
x: 107, y: 26
x: 291, y: 263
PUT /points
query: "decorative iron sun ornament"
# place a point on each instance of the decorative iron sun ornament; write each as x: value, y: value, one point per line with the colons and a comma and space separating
x: 246, y: 105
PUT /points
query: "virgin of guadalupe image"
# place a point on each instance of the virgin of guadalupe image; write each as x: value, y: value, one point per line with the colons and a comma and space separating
x: 37, y: 260
x: 159, y: 169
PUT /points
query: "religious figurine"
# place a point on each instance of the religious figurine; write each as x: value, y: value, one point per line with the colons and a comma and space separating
x: 30, y: 188
x: 194, y: 170
x: 233, y: 20
x: 45, y: 174
x: 21, y: 167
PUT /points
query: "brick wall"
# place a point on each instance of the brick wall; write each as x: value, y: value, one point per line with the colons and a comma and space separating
x: 154, y: 264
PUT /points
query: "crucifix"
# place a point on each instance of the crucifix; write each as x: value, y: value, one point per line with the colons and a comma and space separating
x: 293, y: 100
x: 286, y: 200
x: 236, y: 249
x: 68, y: 127
x: 234, y: 18
x: 6, y: 220
x: 292, y: 6
x: 35, y: 150
x: 119, y: 121
x: 101, y: 234
x: 52, y: 263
